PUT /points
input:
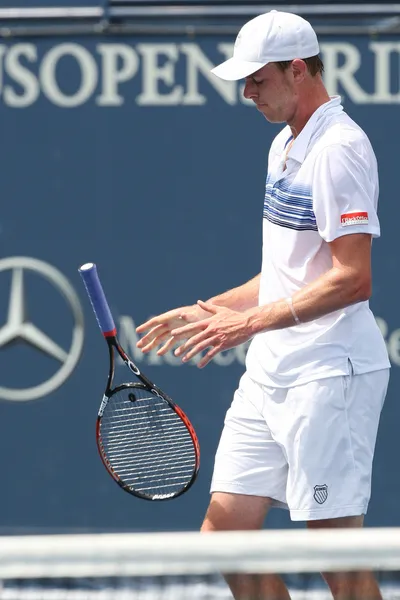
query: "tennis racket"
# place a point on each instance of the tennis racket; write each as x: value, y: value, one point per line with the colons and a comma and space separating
x: 146, y: 442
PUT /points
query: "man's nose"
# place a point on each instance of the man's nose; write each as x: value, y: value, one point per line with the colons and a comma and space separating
x: 250, y: 90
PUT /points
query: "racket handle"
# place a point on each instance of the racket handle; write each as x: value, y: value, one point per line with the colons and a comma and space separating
x: 98, y: 299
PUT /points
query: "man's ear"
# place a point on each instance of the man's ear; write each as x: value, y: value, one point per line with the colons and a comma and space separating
x: 299, y: 69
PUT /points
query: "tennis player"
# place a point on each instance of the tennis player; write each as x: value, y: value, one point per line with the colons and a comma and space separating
x: 301, y: 430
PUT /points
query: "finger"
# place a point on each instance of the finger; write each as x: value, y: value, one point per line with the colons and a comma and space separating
x: 188, y: 330
x: 151, y: 335
x: 148, y: 325
x: 164, y: 349
x: 192, y: 341
x: 208, y: 357
x: 154, y: 322
x: 156, y: 342
x: 200, y: 347
x: 183, y: 337
x: 211, y: 308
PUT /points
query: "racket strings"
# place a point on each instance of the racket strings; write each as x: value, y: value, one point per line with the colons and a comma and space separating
x: 146, y: 443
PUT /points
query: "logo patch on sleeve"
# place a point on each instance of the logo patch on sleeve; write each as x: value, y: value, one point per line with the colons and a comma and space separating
x: 354, y: 218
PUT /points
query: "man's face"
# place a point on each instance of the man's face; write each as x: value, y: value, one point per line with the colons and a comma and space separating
x: 273, y: 92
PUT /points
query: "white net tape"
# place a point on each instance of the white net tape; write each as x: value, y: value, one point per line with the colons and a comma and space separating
x: 174, y: 566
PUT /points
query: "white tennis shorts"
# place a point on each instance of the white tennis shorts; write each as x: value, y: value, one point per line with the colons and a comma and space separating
x: 309, y: 448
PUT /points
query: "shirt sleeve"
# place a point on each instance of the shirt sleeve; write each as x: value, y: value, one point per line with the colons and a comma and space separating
x: 345, y: 193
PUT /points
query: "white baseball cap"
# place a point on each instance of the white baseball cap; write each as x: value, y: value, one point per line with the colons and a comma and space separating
x: 272, y: 37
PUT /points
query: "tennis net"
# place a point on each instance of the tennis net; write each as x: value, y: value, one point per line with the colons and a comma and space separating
x: 177, y: 566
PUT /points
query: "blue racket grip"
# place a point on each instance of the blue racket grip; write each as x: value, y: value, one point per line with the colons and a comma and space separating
x: 97, y: 298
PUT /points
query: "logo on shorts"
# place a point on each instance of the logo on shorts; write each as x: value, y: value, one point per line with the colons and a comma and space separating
x: 320, y: 493
x: 354, y: 218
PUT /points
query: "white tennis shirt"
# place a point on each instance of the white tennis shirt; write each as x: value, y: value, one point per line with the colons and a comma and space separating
x: 328, y: 189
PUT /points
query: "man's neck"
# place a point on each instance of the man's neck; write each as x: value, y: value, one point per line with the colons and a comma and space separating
x: 316, y: 97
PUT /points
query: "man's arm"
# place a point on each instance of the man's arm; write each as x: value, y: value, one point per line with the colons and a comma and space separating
x: 347, y: 282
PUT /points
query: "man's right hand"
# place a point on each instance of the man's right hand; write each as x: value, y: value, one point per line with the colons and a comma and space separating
x: 159, y: 328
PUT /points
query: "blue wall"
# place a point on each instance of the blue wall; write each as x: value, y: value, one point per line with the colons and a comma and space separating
x: 159, y: 180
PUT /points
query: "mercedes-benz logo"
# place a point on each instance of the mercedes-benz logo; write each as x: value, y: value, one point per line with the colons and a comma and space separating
x: 19, y: 328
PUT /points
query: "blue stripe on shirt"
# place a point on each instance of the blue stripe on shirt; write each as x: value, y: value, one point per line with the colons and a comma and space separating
x: 289, y: 205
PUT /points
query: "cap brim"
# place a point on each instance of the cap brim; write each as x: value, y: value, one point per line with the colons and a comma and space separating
x: 234, y: 69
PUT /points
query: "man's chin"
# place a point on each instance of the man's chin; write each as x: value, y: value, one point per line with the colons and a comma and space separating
x: 272, y: 119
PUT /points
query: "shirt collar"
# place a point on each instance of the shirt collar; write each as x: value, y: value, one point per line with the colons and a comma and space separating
x: 300, y: 145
